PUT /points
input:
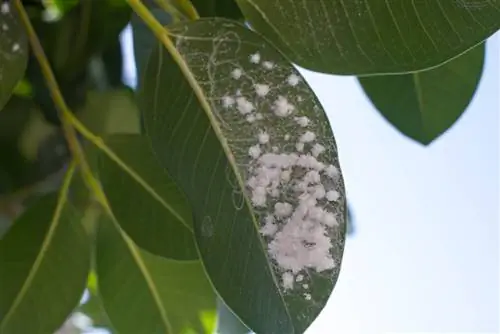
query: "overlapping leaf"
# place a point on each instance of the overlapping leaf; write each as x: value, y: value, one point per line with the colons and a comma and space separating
x: 144, y: 200
x: 204, y: 123
x: 143, y: 293
x: 425, y: 104
x: 13, y: 51
x: 44, y: 263
x: 372, y: 36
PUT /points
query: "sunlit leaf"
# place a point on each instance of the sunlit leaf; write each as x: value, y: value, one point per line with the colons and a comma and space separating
x: 143, y: 293
x: 13, y: 51
x: 373, y: 36
x: 144, y: 200
x: 205, y: 125
x: 44, y: 263
x: 423, y: 105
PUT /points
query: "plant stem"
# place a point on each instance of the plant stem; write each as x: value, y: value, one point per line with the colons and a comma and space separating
x: 64, y: 112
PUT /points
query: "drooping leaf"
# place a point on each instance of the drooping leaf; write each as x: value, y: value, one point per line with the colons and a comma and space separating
x: 44, y: 263
x: 372, y: 36
x: 218, y: 8
x: 423, y: 105
x: 143, y: 293
x: 235, y: 120
x: 228, y: 322
x: 13, y: 51
x: 145, y: 202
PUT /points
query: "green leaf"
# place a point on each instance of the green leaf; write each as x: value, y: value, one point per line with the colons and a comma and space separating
x: 372, y: 36
x: 44, y: 261
x: 13, y: 51
x: 423, y: 105
x: 218, y: 8
x: 144, y: 293
x: 113, y: 111
x: 144, y: 200
x: 196, y: 125
x: 228, y: 322
x: 94, y: 309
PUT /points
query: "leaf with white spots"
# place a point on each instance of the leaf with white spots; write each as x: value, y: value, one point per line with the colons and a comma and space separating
x: 13, y: 51
x: 226, y: 129
x: 372, y: 36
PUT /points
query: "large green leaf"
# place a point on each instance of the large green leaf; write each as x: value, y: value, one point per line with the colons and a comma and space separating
x: 423, y: 105
x: 44, y: 263
x: 238, y: 98
x: 144, y: 200
x: 373, y: 36
x: 143, y: 293
x: 13, y: 51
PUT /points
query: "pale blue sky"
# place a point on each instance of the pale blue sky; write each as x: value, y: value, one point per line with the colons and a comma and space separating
x: 425, y: 256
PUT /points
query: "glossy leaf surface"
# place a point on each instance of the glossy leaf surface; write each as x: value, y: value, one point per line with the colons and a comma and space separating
x: 372, y: 36
x: 206, y: 126
x: 423, y: 105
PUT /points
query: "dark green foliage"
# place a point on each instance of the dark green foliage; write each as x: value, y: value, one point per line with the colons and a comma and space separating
x: 161, y: 221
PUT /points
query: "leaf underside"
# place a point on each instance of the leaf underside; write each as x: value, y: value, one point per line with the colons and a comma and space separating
x: 143, y: 293
x: 13, y: 52
x: 44, y: 263
x: 425, y: 104
x: 204, y: 142
x: 368, y: 37
x: 154, y: 213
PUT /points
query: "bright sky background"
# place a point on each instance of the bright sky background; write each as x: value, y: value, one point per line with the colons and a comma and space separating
x: 425, y: 256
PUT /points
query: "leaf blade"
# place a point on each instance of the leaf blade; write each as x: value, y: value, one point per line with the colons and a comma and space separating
x: 372, y: 37
x: 424, y: 105
x: 156, y: 281
x: 144, y: 200
x: 29, y: 252
x: 227, y: 226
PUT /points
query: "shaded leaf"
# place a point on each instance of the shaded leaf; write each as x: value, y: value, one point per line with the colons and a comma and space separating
x: 205, y: 125
x: 364, y: 37
x: 44, y: 258
x: 143, y: 293
x: 145, y: 202
x: 423, y: 105
x: 112, y: 111
x: 218, y: 8
x: 13, y: 51
x: 228, y: 322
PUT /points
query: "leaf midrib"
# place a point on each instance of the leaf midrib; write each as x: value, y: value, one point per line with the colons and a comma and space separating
x: 147, y: 276
x: 420, y: 102
x: 61, y: 201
